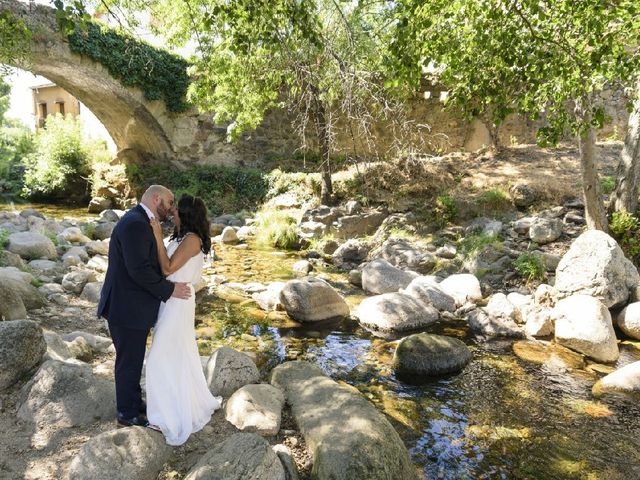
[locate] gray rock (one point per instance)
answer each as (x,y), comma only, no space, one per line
(312,229)
(355,277)
(227,370)
(11,305)
(426,355)
(595,265)
(256,409)
(523,195)
(402,254)
(358,225)
(311,299)
(20,284)
(22,346)
(31,245)
(289,465)
(396,312)
(583,324)
(463,287)
(269,299)
(123,454)
(629,320)
(522,225)
(73,235)
(103,230)
(57,348)
(538,320)
(545,230)
(80,349)
(302,267)
(486,226)
(99,263)
(49,289)
(98,204)
(353,207)
(32,212)
(347,436)
(111,216)
(625,380)
(229,235)
(78,253)
(379,276)
(96,342)
(484,325)
(499,307)
(243,456)
(427,290)
(97,247)
(91,292)
(351,254)
(447,251)
(45,267)
(75,281)
(229,220)
(67,395)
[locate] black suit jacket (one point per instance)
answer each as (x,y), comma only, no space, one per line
(134,286)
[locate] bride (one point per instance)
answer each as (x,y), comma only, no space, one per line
(179,402)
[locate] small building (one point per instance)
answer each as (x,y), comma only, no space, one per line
(49,99)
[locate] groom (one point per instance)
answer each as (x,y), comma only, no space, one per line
(131,295)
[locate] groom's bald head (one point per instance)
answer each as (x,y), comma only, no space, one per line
(159,200)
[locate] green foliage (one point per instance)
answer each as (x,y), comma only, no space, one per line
(159,74)
(625,228)
(15,41)
(4,238)
(494,201)
(474,242)
(89,230)
(60,167)
(277,229)
(303,186)
(223,189)
(528,56)
(445,211)
(530,266)
(608,184)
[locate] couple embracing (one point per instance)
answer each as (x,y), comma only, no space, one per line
(149,285)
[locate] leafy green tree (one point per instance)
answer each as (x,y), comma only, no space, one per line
(60,167)
(319,60)
(545,58)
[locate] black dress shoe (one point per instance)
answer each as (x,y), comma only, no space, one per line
(138,421)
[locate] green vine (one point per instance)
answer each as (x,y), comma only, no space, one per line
(160,74)
(15,40)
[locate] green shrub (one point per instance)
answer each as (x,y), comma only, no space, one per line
(16,143)
(625,228)
(446,210)
(277,229)
(89,230)
(303,186)
(494,201)
(223,189)
(4,238)
(530,266)
(475,241)
(607,184)
(60,167)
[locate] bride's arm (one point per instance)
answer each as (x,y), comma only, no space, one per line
(188,248)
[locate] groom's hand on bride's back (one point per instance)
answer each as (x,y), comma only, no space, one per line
(181,290)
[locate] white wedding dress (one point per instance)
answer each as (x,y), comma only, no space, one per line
(178,399)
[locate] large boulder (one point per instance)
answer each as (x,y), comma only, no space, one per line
(625,380)
(401,253)
(595,265)
(346,435)
(463,287)
(11,305)
(20,283)
(227,370)
(229,235)
(351,254)
(428,291)
(311,299)
(629,320)
(22,346)
(31,245)
(269,299)
(243,456)
(67,395)
(396,312)
(124,454)
(379,276)
(583,323)
(351,226)
(256,408)
(426,355)
(545,230)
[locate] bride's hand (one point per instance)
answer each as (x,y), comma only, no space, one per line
(157,228)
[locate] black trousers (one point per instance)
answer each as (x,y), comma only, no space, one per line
(130,345)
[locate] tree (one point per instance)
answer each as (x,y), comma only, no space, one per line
(319,60)
(15,40)
(625,194)
(548,59)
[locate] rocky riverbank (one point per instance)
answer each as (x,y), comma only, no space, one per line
(56,359)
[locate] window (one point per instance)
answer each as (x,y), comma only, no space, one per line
(60,104)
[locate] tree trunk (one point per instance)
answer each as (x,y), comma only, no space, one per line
(593,205)
(625,195)
(326,191)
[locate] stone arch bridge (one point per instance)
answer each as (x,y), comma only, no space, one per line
(142,129)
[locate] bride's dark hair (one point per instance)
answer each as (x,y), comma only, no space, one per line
(193,218)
